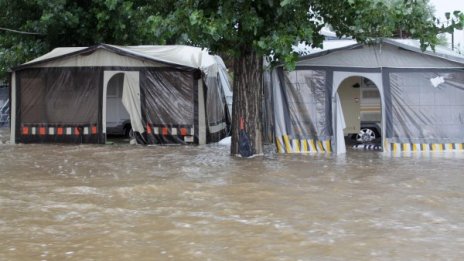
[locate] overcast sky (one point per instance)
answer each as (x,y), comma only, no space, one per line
(443,6)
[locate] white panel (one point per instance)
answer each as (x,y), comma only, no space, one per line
(131,99)
(201,114)
(13,109)
(106,78)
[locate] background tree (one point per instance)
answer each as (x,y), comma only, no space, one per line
(391,18)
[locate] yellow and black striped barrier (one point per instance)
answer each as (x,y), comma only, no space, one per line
(413,147)
(286,144)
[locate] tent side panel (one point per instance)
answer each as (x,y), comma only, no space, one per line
(168,106)
(426,110)
(101,133)
(216,109)
(14,127)
(268,111)
(302,111)
(201,105)
(58,105)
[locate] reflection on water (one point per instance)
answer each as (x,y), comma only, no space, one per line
(123,202)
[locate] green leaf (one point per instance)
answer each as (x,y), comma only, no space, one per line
(111,4)
(285,2)
(195,18)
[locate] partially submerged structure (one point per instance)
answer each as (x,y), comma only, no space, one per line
(169,94)
(421,97)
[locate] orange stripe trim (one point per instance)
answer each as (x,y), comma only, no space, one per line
(164,131)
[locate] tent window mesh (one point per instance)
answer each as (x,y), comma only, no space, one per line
(59,96)
(427,112)
(307,98)
(169,97)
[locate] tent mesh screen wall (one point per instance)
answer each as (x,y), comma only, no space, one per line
(57,105)
(426,110)
(169,106)
(63,105)
(302,112)
(171,94)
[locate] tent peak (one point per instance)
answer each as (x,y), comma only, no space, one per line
(179,55)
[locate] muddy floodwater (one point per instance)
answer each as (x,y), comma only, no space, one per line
(122,202)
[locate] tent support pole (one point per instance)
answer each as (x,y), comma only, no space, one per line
(13,109)
(201,114)
(335,118)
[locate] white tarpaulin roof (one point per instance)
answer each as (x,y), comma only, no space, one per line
(152,55)
(394,53)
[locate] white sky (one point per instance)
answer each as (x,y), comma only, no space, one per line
(443,6)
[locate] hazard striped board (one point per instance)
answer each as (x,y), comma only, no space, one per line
(285,144)
(162,133)
(413,147)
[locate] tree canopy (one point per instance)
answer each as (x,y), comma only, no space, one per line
(29,28)
(267,26)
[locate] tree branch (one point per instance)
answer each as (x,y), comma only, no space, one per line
(18,32)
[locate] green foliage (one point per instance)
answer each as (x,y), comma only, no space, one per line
(231,27)
(70,23)
(367,20)
(240,27)
(271,27)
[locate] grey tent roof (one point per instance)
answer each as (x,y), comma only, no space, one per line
(393,53)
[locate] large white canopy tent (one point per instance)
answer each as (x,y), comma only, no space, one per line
(172,94)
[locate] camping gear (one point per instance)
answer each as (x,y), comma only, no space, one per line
(245,149)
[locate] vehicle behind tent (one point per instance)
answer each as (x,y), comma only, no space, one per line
(4,105)
(421,97)
(167,94)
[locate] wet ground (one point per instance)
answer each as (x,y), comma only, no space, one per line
(121,202)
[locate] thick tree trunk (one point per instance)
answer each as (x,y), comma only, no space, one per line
(247,101)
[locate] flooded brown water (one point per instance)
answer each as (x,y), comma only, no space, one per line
(121,202)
